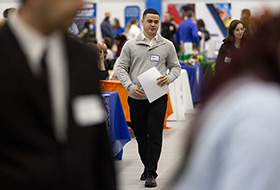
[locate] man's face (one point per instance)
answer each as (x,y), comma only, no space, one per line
(58,14)
(107,14)
(150,24)
(166,17)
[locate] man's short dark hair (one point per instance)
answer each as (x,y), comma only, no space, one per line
(189,13)
(150,11)
(185,8)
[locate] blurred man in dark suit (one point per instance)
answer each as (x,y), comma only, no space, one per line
(52,125)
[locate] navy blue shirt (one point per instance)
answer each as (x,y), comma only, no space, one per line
(107,30)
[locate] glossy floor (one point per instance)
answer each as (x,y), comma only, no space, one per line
(130,167)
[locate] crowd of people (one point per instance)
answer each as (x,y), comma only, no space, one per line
(53,128)
(114,36)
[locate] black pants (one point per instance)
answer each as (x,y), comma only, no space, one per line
(147,120)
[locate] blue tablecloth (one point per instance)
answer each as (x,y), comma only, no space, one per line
(116,123)
(196,79)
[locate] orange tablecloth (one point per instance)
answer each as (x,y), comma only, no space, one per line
(115,85)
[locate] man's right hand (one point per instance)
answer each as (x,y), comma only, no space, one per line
(137,92)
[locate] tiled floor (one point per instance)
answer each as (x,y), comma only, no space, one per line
(130,167)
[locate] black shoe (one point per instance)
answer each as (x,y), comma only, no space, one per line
(142,177)
(150,182)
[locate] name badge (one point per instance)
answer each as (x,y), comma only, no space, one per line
(88,110)
(227,60)
(154,58)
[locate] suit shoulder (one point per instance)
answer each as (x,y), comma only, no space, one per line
(3,31)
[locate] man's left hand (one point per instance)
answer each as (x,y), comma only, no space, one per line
(163,80)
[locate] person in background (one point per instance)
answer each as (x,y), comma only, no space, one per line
(107,29)
(88,33)
(109,59)
(73,29)
(109,64)
(183,10)
(168,29)
(119,41)
(117,27)
(53,132)
(109,44)
(132,29)
(203,34)
(231,44)
(188,31)
(248,23)
(234,140)
(149,49)
(101,59)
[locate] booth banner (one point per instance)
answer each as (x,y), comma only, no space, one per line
(177,10)
(224,12)
(88,11)
(132,12)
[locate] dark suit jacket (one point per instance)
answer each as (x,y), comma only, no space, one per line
(30,156)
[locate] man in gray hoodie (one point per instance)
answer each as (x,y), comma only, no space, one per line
(149,49)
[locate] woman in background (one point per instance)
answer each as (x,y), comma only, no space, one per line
(88,32)
(119,41)
(117,27)
(203,34)
(234,142)
(230,45)
(132,29)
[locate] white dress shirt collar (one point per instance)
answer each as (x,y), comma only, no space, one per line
(148,41)
(32,42)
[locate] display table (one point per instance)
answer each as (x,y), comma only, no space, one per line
(196,79)
(208,67)
(115,85)
(116,123)
(180,95)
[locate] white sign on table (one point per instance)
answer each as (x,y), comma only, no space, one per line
(148,80)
